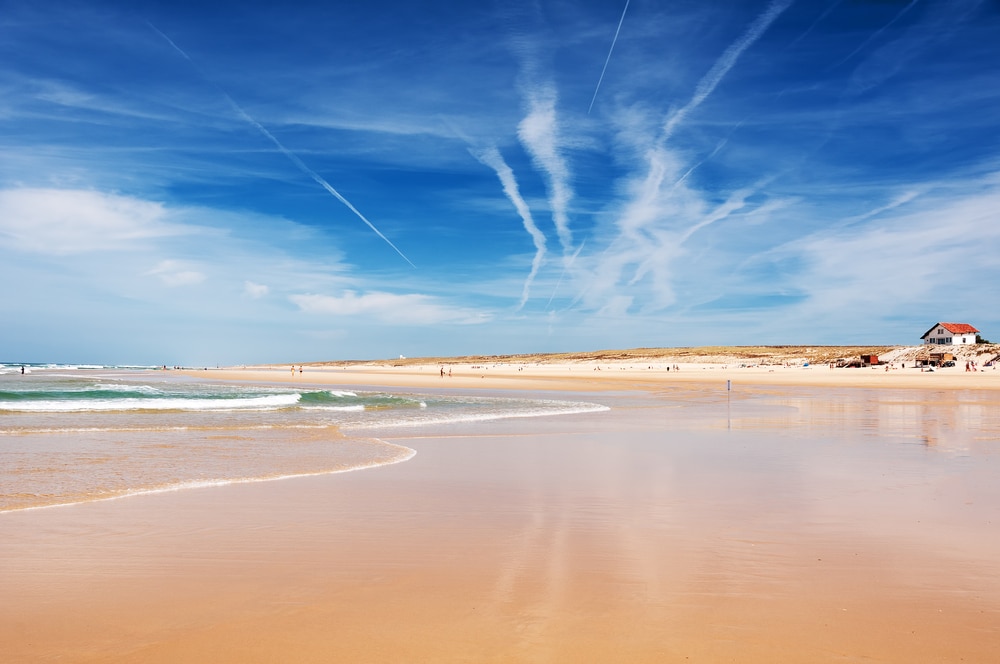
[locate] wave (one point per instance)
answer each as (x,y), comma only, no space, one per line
(110,396)
(269,402)
(122,387)
(403,454)
(436,418)
(342,400)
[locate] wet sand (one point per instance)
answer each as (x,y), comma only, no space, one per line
(812,524)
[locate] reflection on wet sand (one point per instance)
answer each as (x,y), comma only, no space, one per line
(820,527)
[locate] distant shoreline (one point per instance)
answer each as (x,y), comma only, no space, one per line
(770,355)
(638,369)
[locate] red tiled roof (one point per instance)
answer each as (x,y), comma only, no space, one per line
(959,328)
(954,328)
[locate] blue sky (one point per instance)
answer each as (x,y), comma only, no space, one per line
(221,183)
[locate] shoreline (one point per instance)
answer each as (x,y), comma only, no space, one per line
(592,376)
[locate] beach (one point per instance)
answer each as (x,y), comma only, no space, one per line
(602,375)
(710,513)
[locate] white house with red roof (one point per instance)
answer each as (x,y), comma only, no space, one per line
(952,334)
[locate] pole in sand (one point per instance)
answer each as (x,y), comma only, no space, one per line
(729,391)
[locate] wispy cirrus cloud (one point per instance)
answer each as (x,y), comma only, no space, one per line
(927,259)
(662,210)
(390,308)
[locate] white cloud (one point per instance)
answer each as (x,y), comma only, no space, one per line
(62,222)
(940,257)
(256,291)
(177,273)
(409,309)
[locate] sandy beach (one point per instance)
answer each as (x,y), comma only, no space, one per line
(638,374)
(807,514)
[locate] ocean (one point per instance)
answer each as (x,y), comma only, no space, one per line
(80,433)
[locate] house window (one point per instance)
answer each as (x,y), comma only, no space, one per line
(940,331)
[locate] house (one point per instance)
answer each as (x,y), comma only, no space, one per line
(954,334)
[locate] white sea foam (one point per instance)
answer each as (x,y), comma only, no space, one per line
(342,409)
(121,387)
(79,406)
(434,418)
(157,429)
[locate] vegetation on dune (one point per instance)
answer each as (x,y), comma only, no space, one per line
(705,354)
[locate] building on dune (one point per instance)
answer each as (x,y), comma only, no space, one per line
(952,334)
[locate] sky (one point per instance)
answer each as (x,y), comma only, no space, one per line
(219,183)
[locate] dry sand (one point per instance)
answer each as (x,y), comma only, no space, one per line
(796,519)
(623,370)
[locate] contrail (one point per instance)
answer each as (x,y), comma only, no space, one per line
(610,50)
(714,152)
(294,158)
(566,265)
(491,157)
(725,62)
(874,35)
(814,23)
(538,132)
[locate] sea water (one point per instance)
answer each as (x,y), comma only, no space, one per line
(71,434)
